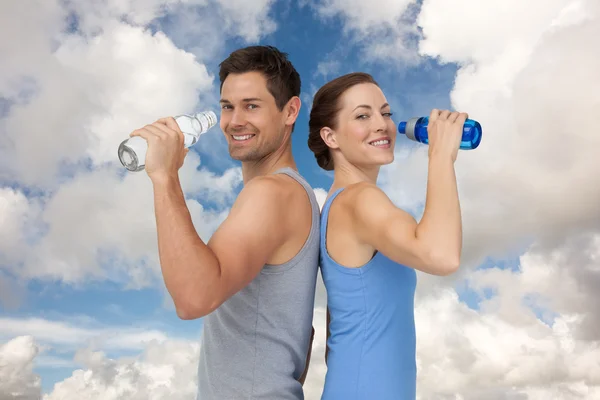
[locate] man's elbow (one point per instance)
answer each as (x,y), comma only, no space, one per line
(188,311)
(188,315)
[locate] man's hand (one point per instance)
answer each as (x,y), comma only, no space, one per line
(166,151)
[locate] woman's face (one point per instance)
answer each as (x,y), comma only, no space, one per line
(365,133)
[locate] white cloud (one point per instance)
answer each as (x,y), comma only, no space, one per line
(248,19)
(109,85)
(530,178)
(112,73)
(165,370)
(528,73)
(327,68)
(365,17)
(495,30)
(505,348)
(321,195)
(66,336)
(523,343)
(88,89)
(17,223)
(17,379)
(101,227)
(382,28)
(92,17)
(528,182)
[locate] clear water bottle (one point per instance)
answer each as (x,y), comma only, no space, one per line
(416,129)
(132,151)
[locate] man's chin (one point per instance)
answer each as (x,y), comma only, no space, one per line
(241,155)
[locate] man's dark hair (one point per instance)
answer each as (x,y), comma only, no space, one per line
(283,81)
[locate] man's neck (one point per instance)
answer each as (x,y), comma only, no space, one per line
(268,165)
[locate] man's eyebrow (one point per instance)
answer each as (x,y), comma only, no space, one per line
(246,100)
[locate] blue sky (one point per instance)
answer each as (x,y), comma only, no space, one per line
(77,253)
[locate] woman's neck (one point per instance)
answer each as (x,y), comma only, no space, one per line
(346,174)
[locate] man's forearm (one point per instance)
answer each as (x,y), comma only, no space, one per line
(190,268)
(441,225)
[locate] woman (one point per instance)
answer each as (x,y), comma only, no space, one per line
(370,249)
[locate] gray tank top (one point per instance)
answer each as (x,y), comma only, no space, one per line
(254,346)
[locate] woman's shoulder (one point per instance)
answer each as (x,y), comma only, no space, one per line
(360,197)
(363,192)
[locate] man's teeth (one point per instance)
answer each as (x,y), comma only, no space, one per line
(245,137)
(380,142)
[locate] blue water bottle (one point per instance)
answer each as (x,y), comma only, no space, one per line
(416,129)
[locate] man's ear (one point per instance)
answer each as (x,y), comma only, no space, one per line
(329,137)
(292,109)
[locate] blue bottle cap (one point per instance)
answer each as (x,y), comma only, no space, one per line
(402,127)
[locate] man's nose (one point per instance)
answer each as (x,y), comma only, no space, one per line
(237,118)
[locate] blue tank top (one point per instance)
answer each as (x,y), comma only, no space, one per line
(373,343)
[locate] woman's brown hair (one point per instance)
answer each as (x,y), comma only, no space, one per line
(324,113)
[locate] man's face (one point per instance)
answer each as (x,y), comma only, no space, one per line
(250,119)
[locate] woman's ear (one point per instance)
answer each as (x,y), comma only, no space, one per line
(329,137)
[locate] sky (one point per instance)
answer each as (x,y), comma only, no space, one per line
(84,313)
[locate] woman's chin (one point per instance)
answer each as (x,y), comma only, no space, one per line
(384,160)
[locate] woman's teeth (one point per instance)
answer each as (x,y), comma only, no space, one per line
(380,142)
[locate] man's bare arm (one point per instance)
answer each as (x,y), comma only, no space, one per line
(199,276)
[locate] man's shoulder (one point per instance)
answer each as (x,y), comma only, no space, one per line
(269,186)
(275,192)
(280,186)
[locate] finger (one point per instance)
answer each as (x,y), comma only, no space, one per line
(170,123)
(157,131)
(453,116)
(463,117)
(434,114)
(444,115)
(166,130)
(144,133)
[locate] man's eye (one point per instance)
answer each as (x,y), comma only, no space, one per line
(226,107)
(252,106)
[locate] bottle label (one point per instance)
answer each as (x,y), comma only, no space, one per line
(410,128)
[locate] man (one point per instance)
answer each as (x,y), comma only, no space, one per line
(254,281)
